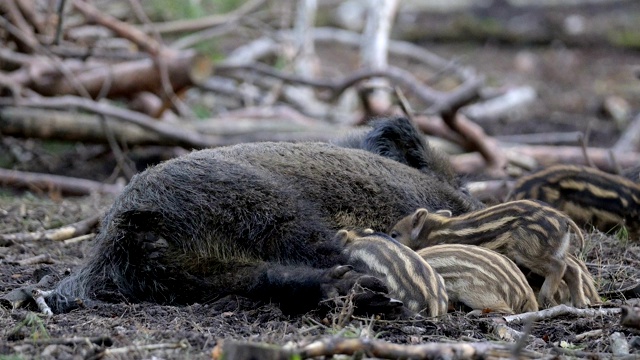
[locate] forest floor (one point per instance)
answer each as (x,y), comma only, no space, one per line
(572,85)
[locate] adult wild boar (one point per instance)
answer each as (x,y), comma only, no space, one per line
(256,220)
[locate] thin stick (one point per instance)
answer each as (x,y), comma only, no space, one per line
(404,104)
(583,146)
(205,22)
(121,158)
(98,340)
(60,11)
(386,350)
(65,184)
(38,259)
(557,311)
(183,344)
(38,296)
(614,163)
(78,239)
(62,233)
(169,131)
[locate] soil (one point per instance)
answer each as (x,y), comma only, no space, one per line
(572,85)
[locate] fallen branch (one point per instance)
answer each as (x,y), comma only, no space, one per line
(38,259)
(497,107)
(64,184)
(181,136)
(178,26)
(490,189)
(383,349)
(593,333)
(557,311)
(71,126)
(129,350)
(439,102)
(478,140)
(548,155)
(505,333)
(371,347)
(20,296)
(39,296)
(277,123)
(98,340)
(139,38)
(78,239)
(27,40)
(185,69)
(557,138)
(62,233)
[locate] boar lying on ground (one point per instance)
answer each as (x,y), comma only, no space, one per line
(409,278)
(528,232)
(589,196)
(480,278)
(398,139)
(256,220)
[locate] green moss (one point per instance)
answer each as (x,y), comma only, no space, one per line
(35,326)
(191,9)
(625,38)
(11,357)
(479,27)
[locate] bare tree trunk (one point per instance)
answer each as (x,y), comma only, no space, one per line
(306,62)
(376,93)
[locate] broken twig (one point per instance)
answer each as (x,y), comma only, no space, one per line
(557,311)
(62,233)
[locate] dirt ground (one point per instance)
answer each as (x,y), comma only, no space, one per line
(572,85)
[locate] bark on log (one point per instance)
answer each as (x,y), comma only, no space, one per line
(548,155)
(574,23)
(371,347)
(123,79)
(70,126)
(48,182)
(270,124)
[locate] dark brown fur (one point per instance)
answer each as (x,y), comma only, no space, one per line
(528,232)
(398,139)
(254,219)
(632,173)
(408,277)
(481,278)
(589,196)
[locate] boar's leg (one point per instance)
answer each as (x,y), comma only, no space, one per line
(300,288)
(553,272)
(573,278)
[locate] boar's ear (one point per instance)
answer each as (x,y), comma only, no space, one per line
(446,213)
(342,236)
(417,222)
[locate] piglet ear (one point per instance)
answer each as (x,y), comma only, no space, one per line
(446,213)
(342,236)
(417,222)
